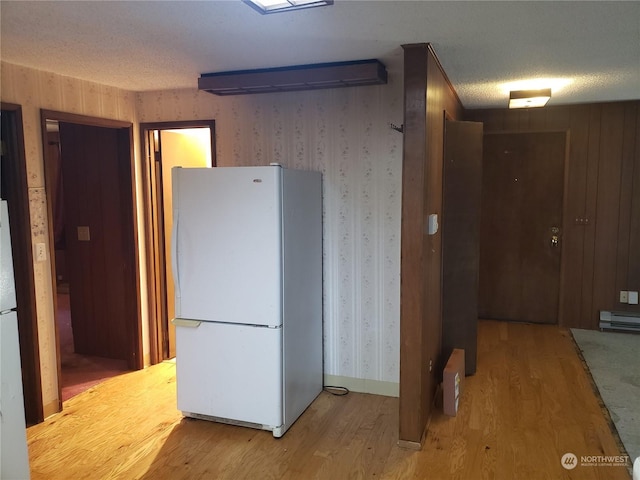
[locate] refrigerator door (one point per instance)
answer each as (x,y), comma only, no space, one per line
(7,286)
(231,372)
(226,245)
(14,459)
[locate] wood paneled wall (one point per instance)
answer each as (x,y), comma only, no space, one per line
(601,251)
(428,95)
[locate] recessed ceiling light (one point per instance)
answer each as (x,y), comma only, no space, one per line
(529,98)
(274,6)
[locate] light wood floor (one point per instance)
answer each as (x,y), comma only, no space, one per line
(529,403)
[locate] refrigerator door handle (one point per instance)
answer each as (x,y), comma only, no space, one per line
(184,322)
(174,253)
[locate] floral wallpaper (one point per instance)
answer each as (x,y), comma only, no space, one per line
(345,134)
(35,90)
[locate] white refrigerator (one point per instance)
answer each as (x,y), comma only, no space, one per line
(14,459)
(247,266)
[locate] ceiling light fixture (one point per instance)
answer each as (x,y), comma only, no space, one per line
(556,84)
(529,98)
(274,6)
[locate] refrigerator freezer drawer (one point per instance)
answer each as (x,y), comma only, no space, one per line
(232,372)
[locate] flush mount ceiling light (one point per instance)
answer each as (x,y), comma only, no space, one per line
(529,98)
(274,6)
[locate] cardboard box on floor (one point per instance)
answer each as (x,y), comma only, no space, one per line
(452,382)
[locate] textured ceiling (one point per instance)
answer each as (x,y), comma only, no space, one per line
(146,45)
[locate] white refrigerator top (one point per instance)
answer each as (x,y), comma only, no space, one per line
(226,244)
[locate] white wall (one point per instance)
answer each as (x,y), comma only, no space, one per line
(345,134)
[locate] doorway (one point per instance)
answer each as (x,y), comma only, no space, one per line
(15,190)
(521,227)
(90,197)
(188,144)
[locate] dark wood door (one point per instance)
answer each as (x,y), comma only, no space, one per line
(521,226)
(98,212)
(462,187)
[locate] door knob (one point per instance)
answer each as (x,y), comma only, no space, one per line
(555,236)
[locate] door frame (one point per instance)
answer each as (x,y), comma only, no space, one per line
(134,329)
(565,214)
(155,259)
(24,276)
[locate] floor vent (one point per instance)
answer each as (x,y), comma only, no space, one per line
(627,321)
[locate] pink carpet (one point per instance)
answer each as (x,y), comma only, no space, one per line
(80,372)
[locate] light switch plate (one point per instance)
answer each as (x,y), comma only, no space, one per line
(433,224)
(633,298)
(624,296)
(84,234)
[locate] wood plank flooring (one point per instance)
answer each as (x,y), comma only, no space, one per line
(529,403)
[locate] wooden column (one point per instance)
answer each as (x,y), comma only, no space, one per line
(428,94)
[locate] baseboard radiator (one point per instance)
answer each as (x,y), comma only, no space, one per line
(627,321)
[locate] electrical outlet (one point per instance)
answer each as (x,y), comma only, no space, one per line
(624,296)
(633,298)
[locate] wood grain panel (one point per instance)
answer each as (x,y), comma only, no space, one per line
(522,199)
(100,268)
(428,93)
(603,154)
(432,332)
(593,160)
(607,208)
(633,280)
(462,192)
(623,265)
(130,252)
(413,413)
(574,221)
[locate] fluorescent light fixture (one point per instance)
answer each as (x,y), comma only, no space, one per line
(274,6)
(529,98)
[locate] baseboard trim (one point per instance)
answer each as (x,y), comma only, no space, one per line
(409,445)
(362,385)
(51,408)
